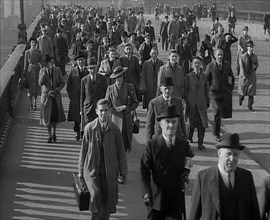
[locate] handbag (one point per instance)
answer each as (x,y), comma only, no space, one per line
(136,123)
(22,83)
(81,192)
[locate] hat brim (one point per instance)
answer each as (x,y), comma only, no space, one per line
(115,75)
(159,118)
(76,58)
(239,147)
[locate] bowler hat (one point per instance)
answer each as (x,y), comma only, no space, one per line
(250,44)
(245,28)
(81,54)
(230,141)
(149,22)
(124,34)
(58,30)
(168,112)
(166,81)
(118,71)
(227,34)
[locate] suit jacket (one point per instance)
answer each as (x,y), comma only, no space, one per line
(90,94)
(154,109)
(149,80)
(105,69)
(133,74)
(114,36)
(74,92)
(206,203)
(264,199)
(161,169)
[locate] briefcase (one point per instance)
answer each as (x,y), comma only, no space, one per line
(81,192)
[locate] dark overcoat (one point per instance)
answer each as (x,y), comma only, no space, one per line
(264,199)
(114,158)
(155,106)
(90,94)
(125,96)
(106,70)
(197,97)
(50,80)
(149,80)
(247,75)
(221,84)
(74,92)
(161,169)
(206,203)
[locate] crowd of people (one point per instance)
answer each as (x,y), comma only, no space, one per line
(116,66)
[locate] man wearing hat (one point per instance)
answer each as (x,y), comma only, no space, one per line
(114,34)
(93,88)
(44,44)
(149,30)
(247,76)
(74,91)
(163,171)
(225,191)
(163,33)
(155,109)
(243,39)
(145,49)
(60,51)
(173,31)
(132,22)
(125,41)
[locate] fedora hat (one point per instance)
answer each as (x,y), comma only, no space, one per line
(245,28)
(230,141)
(168,112)
(250,44)
(118,71)
(166,81)
(80,55)
(124,34)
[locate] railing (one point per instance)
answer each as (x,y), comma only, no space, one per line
(252,16)
(9,93)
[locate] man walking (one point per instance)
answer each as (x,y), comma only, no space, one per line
(225,191)
(102,156)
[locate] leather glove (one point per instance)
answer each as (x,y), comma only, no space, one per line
(148,200)
(184,177)
(122,179)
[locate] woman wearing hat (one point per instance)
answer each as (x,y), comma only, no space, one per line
(51,107)
(32,60)
(123,99)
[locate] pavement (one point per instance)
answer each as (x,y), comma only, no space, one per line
(36,177)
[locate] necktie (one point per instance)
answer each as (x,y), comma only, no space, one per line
(170,144)
(154,66)
(230,181)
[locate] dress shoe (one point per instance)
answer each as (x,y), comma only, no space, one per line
(54,138)
(49,140)
(251,109)
(201,147)
(78,136)
(240,102)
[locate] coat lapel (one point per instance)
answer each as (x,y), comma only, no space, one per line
(214,188)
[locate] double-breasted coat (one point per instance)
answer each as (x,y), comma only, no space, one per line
(106,70)
(167,70)
(197,97)
(74,92)
(247,75)
(154,110)
(50,79)
(221,84)
(206,202)
(114,158)
(161,169)
(32,60)
(119,97)
(90,93)
(149,80)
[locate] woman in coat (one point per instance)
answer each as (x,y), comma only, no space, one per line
(123,100)
(197,98)
(51,108)
(32,60)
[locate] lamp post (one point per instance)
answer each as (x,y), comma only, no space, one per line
(22,35)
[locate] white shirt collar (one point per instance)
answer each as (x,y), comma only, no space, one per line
(167,140)
(225,175)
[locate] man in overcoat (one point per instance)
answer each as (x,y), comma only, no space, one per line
(221,83)
(264,198)
(163,171)
(247,76)
(225,191)
(102,159)
(74,92)
(93,88)
(149,75)
(174,70)
(163,33)
(173,31)
(156,106)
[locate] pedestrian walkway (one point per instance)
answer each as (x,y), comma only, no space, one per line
(36,177)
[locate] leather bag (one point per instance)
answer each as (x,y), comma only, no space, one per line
(81,192)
